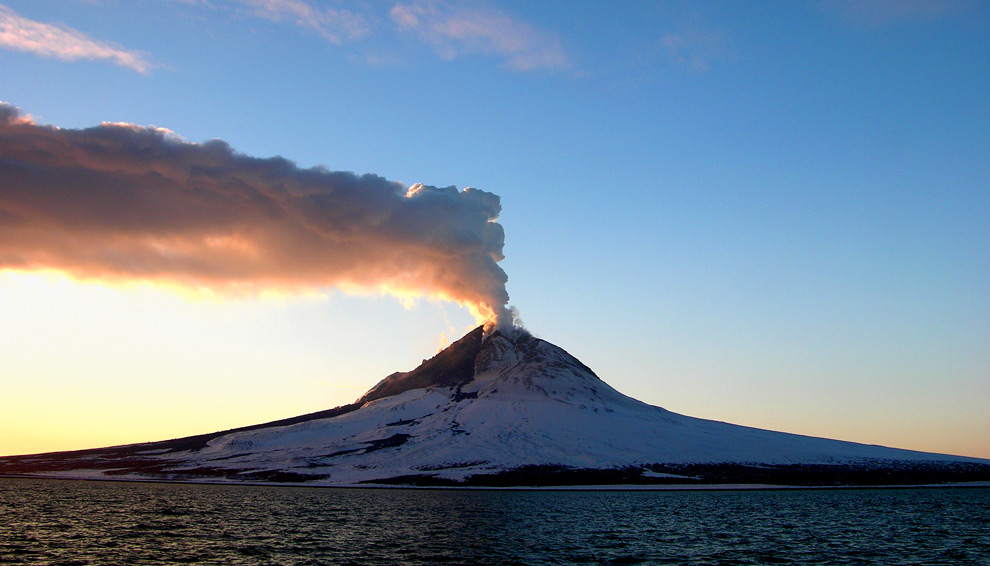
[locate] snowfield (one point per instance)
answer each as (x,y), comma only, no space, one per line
(485,406)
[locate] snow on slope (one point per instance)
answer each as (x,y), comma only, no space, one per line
(495,403)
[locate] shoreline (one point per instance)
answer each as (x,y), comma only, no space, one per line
(589,488)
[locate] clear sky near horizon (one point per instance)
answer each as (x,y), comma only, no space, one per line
(774,214)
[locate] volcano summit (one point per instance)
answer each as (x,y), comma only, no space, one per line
(503,408)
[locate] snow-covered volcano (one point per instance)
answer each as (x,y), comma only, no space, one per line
(504,409)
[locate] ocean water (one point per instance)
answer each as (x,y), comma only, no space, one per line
(56,522)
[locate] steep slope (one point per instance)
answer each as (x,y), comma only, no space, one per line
(506,409)
(451,367)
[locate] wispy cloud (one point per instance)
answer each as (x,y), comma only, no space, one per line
(333,25)
(879,12)
(453,28)
(456,29)
(62,42)
(697,50)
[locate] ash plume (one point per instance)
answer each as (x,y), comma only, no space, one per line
(125,202)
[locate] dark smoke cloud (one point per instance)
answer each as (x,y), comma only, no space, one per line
(127,202)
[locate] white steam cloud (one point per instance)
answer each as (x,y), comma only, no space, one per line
(119,201)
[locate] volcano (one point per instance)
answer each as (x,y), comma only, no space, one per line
(503,409)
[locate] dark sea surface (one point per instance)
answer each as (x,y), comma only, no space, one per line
(76,522)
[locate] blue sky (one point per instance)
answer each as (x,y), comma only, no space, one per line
(772,214)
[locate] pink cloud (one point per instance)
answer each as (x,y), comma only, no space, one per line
(330,23)
(62,42)
(457,29)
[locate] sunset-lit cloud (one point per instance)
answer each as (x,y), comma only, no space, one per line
(451,28)
(62,42)
(333,25)
(457,29)
(119,202)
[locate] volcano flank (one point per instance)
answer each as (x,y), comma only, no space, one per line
(503,408)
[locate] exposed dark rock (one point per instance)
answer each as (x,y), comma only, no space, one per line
(390,442)
(451,367)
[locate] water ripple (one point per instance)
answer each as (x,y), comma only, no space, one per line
(48,522)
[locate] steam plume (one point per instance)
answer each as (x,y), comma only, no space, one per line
(119,201)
